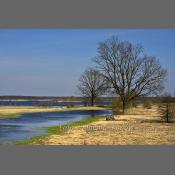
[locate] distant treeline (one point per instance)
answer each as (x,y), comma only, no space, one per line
(74,98)
(48,98)
(154,99)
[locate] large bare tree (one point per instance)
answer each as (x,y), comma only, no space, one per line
(92,84)
(130,72)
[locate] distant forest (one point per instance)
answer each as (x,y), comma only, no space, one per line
(74,98)
(49,98)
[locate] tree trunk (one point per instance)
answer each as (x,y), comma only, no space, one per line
(92,101)
(167,120)
(124,106)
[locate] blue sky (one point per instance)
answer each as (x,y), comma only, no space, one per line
(50,61)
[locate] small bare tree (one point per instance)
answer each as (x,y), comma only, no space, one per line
(92,84)
(130,72)
(167,108)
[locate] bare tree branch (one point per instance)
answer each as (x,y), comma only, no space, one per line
(130,72)
(92,84)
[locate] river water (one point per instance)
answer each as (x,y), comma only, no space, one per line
(32,124)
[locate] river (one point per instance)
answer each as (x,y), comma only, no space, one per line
(32,124)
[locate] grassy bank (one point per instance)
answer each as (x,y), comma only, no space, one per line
(57,130)
(11,111)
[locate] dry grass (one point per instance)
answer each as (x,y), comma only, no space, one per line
(140,127)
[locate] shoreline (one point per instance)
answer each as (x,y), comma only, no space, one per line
(12,112)
(58,130)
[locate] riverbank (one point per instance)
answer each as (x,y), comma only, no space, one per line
(142,128)
(15,111)
(58,130)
